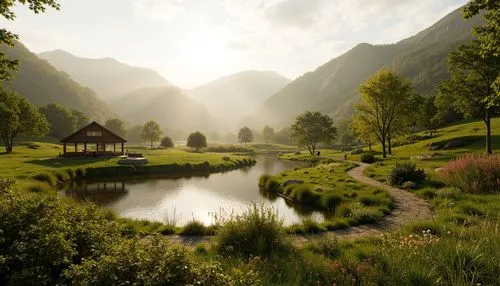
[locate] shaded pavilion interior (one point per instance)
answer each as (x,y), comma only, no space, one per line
(93,140)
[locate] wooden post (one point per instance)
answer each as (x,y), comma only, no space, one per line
(114,147)
(122,149)
(76,147)
(64,148)
(85,147)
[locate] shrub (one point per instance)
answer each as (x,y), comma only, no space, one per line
(473,174)
(303,194)
(193,228)
(327,246)
(256,232)
(166,142)
(40,188)
(367,158)
(47,178)
(331,201)
(6,185)
(404,172)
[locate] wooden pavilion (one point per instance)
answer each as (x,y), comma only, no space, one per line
(96,141)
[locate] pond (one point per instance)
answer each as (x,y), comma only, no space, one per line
(182,199)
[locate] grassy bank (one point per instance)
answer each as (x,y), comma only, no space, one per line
(327,188)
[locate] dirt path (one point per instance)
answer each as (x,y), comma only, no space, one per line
(408,208)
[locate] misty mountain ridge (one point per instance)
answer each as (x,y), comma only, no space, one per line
(237,95)
(42,84)
(108,77)
(333,87)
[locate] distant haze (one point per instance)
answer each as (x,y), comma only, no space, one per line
(193,42)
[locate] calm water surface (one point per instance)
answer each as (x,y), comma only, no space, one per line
(183,198)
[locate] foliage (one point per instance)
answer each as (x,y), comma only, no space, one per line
(18,117)
(42,236)
(166,142)
(256,232)
(470,87)
(151,132)
(474,174)
(62,122)
(116,126)
(346,135)
(195,228)
(245,135)
(80,118)
(8,38)
(367,158)
(268,133)
(405,172)
(197,141)
(312,128)
(489,34)
(426,112)
(383,108)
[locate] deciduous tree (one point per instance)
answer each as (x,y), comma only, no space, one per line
(470,88)
(116,126)
(61,119)
(312,128)
(81,119)
(151,132)
(268,134)
(426,112)
(8,38)
(166,142)
(245,135)
(18,116)
(197,140)
(384,106)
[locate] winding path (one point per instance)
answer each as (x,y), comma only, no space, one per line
(408,208)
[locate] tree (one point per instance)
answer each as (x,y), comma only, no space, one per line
(426,112)
(134,134)
(364,129)
(488,35)
(245,135)
(151,132)
(9,38)
(18,116)
(470,88)
(384,106)
(62,122)
(268,134)
(167,142)
(345,134)
(116,126)
(197,141)
(81,120)
(312,128)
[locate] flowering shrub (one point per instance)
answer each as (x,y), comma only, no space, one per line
(473,174)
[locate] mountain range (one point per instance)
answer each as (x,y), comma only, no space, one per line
(234,96)
(108,77)
(332,87)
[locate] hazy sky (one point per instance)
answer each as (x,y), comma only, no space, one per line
(191,42)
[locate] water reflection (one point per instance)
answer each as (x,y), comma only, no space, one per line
(182,198)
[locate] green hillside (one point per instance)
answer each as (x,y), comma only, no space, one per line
(108,77)
(42,84)
(332,88)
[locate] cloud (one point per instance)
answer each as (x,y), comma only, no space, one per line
(159,10)
(295,13)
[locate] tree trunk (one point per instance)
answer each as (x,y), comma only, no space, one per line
(488,133)
(151,144)
(389,144)
(370,146)
(384,154)
(8,149)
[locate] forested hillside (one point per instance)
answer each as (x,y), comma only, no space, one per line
(332,88)
(42,84)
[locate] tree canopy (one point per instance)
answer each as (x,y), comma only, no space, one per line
(383,107)
(268,133)
(196,140)
(116,126)
(312,128)
(245,135)
(18,116)
(9,38)
(61,119)
(166,142)
(151,132)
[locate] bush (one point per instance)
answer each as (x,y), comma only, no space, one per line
(473,174)
(304,195)
(47,178)
(367,158)
(166,142)
(256,232)
(331,201)
(79,173)
(404,172)
(40,188)
(193,228)
(6,185)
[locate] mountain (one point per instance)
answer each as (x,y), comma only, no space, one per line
(168,106)
(42,84)
(108,77)
(332,87)
(237,95)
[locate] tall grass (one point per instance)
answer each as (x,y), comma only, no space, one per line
(474,173)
